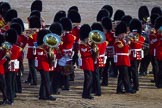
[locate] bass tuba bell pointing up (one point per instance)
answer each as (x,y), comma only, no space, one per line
(97,36)
(52,40)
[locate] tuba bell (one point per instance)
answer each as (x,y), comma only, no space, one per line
(6,45)
(52,40)
(97,36)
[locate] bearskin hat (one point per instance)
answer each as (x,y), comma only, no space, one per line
(56,28)
(36,5)
(60,14)
(74,16)
(36,13)
(118,15)
(34,22)
(107,23)
(66,24)
(16,27)
(84,31)
(19,21)
(153,18)
(73,8)
(102,13)
(97,26)
(4,7)
(158,22)
(135,24)
(11,36)
(143,13)
(108,8)
(126,19)
(41,35)
(2,39)
(156,10)
(120,28)
(11,13)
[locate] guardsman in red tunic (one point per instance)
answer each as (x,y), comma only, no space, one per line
(21,42)
(43,66)
(107,25)
(13,65)
(4,57)
(152,45)
(56,28)
(143,15)
(76,20)
(66,49)
(34,25)
(87,60)
(136,51)
(100,60)
(158,27)
(122,59)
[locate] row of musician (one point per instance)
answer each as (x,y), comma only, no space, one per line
(96,46)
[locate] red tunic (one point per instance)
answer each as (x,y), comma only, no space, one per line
(75,32)
(2,61)
(159,48)
(153,43)
(31,41)
(43,61)
(101,58)
(22,41)
(136,49)
(14,63)
(110,48)
(68,41)
(87,59)
(121,57)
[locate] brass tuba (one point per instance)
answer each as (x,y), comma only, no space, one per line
(97,36)
(52,40)
(6,45)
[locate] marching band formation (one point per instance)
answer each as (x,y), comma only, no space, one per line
(121,47)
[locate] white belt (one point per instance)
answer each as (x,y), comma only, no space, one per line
(13,60)
(66,50)
(136,50)
(125,54)
(103,55)
(31,47)
(119,54)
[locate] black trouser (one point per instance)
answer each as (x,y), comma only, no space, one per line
(44,91)
(55,82)
(110,66)
(65,82)
(10,84)
(155,68)
(134,74)
(159,74)
(32,77)
(18,86)
(123,79)
(144,64)
(3,87)
(96,82)
(75,60)
(88,80)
